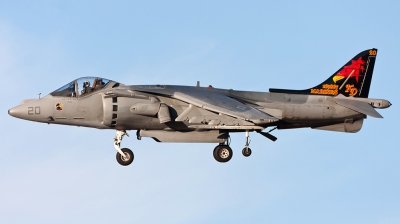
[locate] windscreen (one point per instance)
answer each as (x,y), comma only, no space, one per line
(81,87)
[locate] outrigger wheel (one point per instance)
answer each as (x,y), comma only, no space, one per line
(128,159)
(222,153)
(246,151)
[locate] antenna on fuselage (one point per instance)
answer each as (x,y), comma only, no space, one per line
(198,84)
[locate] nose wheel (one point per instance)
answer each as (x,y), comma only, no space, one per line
(127,158)
(124,156)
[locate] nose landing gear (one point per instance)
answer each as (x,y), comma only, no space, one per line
(124,156)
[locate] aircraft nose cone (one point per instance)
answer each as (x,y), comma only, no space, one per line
(11,112)
(27,110)
(16,112)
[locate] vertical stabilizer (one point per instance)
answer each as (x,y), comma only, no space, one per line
(352,79)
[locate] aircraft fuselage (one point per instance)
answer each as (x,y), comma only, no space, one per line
(96,110)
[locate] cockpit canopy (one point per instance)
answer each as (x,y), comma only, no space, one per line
(83,86)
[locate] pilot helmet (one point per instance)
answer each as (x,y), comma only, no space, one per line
(86,84)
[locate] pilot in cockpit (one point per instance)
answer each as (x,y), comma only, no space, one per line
(86,88)
(98,84)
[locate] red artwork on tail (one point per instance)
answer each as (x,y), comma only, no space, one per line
(356,66)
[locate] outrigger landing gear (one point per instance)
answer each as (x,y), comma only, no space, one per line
(246,150)
(124,156)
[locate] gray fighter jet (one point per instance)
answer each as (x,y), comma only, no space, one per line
(169,113)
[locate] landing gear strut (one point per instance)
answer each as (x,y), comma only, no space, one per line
(246,150)
(124,156)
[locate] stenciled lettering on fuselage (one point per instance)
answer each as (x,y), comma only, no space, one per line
(327,89)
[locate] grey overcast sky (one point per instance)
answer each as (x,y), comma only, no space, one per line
(63,174)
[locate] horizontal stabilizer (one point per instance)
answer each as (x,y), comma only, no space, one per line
(359,106)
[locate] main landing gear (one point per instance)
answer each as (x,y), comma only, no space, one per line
(222,153)
(124,156)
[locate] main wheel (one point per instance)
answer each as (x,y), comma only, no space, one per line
(246,151)
(222,153)
(128,157)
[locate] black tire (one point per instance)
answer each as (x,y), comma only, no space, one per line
(129,157)
(246,152)
(222,153)
(216,152)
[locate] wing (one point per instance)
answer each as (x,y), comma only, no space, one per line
(213,101)
(220,103)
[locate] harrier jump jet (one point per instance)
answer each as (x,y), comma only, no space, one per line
(169,113)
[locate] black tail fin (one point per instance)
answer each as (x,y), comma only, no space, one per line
(352,79)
